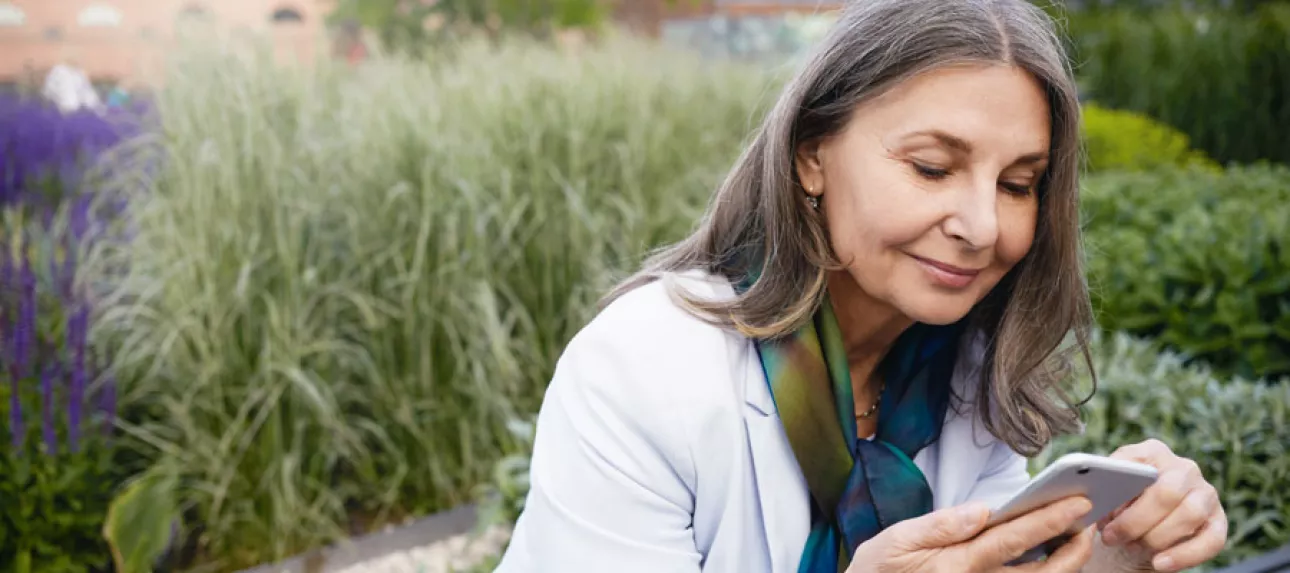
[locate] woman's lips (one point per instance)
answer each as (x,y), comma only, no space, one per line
(946,274)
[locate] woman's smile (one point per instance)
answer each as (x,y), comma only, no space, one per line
(947,275)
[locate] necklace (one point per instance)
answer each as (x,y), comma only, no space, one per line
(874,408)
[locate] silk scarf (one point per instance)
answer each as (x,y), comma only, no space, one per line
(858,486)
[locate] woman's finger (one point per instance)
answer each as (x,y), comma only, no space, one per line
(939,529)
(1201,548)
(1152,452)
(1070,557)
(1007,541)
(1194,511)
(1143,515)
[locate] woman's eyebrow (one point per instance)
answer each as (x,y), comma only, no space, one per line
(950,141)
(961,145)
(1032,158)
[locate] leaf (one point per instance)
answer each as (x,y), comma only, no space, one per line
(21,473)
(139,519)
(23,563)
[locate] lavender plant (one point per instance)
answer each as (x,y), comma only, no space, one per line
(59,464)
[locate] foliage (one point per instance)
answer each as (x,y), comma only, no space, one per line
(1196,259)
(502,498)
(346,281)
(140,521)
(1123,140)
(54,508)
(1238,431)
(412,27)
(1152,5)
(1153,65)
(59,462)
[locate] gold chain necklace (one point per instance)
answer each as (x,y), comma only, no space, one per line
(874,408)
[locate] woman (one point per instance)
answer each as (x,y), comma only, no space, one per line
(843,367)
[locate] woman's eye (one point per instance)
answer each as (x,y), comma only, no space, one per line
(1016,188)
(930,172)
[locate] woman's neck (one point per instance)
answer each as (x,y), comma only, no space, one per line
(869,327)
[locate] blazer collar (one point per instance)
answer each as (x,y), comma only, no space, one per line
(781,487)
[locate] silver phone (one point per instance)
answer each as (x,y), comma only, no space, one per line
(1107,483)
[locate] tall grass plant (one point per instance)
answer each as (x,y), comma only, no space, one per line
(344,281)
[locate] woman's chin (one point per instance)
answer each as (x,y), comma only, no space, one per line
(937,310)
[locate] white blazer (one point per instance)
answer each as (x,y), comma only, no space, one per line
(658,449)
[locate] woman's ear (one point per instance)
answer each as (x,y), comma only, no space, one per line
(810,167)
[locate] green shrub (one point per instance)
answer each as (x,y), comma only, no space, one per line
(1199,261)
(1218,76)
(1238,431)
(59,459)
(1124,140)
(1147,6)
(344,282)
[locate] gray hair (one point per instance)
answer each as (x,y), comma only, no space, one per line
(759,224)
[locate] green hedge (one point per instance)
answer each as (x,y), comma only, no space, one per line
(1218,76)
(1238,431)
(1196,259)
(1123,140)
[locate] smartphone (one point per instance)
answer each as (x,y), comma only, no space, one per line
(1106,482)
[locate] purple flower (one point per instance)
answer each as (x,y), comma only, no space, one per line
(44,152)
(46,161)
(6,265)
(79,223)
(77,325)
(47,397)
(6,293)
(24,329)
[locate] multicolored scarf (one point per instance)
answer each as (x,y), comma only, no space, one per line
(858,486)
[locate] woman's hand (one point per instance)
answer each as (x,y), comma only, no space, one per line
(1177,523)
(952,540)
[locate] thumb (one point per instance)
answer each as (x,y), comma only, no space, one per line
(943,528)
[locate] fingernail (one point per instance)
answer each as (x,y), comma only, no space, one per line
(1109,537)
(1163,563)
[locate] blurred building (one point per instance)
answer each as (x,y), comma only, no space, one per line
(653,16)
(121,40)
(124,40)
(746,29)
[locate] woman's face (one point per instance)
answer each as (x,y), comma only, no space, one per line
(929,193)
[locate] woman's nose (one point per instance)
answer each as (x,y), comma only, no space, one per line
(974,218)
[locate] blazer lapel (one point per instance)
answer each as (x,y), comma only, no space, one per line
(781,487)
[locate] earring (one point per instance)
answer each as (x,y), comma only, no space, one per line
(815,202)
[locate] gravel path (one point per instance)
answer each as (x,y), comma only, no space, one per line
(453,555)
